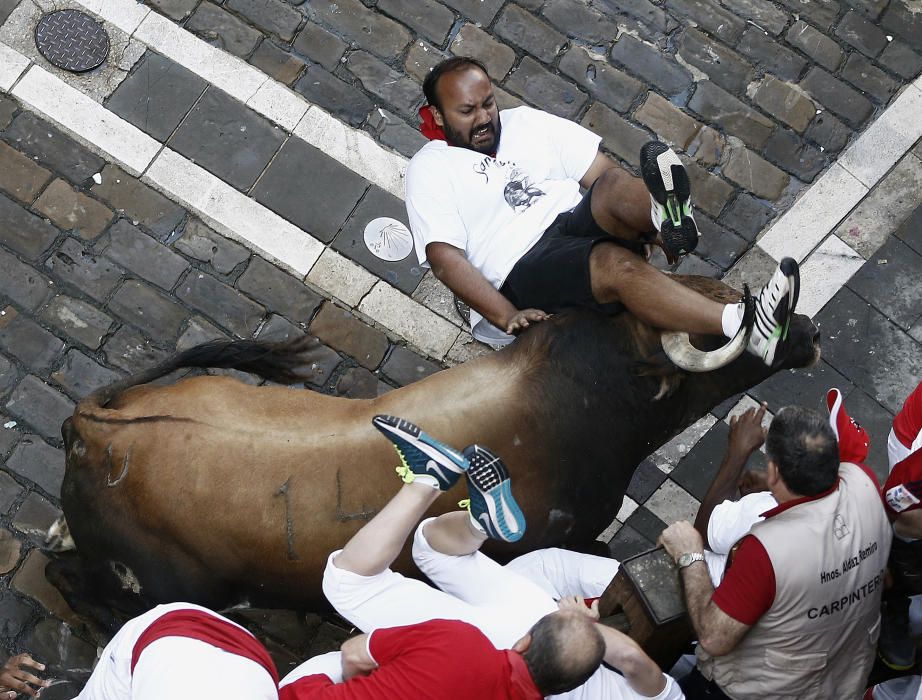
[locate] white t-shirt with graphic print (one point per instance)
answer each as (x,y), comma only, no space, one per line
(495,209)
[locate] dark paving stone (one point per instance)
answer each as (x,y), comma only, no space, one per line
(747,215)
(324,362)
(227,138)
(319,45)
(724,67)
(394,132)
(357,383)
(41,406)
(147,309)
(788,150)
(717,105)
(627,542)
(7,375)
(521,28)
(846,102)
(645,523)
(310,189)
(822,49)
(822,13)
(279,291)
(127,349)
(37,461)
(21,283)
(889,281)
(603,81)
(574,18)
(539,86)
(80,376)
(384,82)
(52,148)
(482,11)
(270,16)
(93,275)
(275,62)
(426,17)
(8,106)
(224,305)
(646,479)
(709,15)
(901,59)
(650,65)
(222,29)
(696,471)
(910,231)
(694,265)
(801,387)
(722,410)
(15,614)
(859,340)
(20,176)
(278,329)
(342,331)
(84,323)
(340,99)
(9,438)
(58,647)
(198,331)
(404,366)
(134,250)
(10,492)
(138,202)
(35,516)
(156,96)
(200,242)
(25,340)
(618,135)
(10,551)
(902,21)
(24,232)
(404,274)
(856,30)
(175,9)
(870,79)
(71,210)
(828,132)
(766,53)
(31,580)
(718,245)
(356,23)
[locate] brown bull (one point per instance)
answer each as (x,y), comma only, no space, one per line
(215,491)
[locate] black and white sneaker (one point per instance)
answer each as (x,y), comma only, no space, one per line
(774,307)
(670,196)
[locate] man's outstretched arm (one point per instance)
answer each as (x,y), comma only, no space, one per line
(455,271)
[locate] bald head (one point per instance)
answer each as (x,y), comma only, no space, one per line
(565,649)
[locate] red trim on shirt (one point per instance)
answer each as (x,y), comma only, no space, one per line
(195,624)
(908,422)
(781,507)
(748,587)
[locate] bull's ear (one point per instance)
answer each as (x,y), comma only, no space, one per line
(684,355)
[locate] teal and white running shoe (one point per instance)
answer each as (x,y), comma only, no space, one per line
(493,508)
(423,458)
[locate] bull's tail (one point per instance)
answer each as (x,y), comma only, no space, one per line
(277,362)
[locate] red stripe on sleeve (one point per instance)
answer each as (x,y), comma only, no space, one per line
(748,588)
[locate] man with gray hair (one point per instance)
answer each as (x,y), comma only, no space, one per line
(798,610)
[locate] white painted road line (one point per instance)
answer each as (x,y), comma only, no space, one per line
(12,65)
(814,215)
(232,213)
(422,327)
(824,273)
(87,120)
(886,140)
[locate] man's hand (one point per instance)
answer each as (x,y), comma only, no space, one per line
(14,679)
(576,603)
(681,538)
(746,432)
(521,320)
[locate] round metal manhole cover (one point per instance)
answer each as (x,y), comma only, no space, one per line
(72,40)
(388,239)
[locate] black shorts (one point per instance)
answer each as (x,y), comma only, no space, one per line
(554,274)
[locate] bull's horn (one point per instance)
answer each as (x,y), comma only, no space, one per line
(686,356)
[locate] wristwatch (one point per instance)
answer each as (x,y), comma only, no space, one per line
(688,559)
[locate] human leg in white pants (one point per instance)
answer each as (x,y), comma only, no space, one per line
(560,572)
(507,603)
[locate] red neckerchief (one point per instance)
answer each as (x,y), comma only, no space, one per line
(520,678)
(781,507)
(429,128)
(195,624)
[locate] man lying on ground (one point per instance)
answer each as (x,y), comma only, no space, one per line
(501,603)
(495,209)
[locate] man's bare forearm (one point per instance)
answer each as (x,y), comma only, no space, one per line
(723,487)
(462,278)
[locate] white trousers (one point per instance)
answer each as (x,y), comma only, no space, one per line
(178,668)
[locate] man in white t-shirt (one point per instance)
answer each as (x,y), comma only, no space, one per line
(495,208)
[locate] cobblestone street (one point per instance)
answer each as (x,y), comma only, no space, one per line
(213,179)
